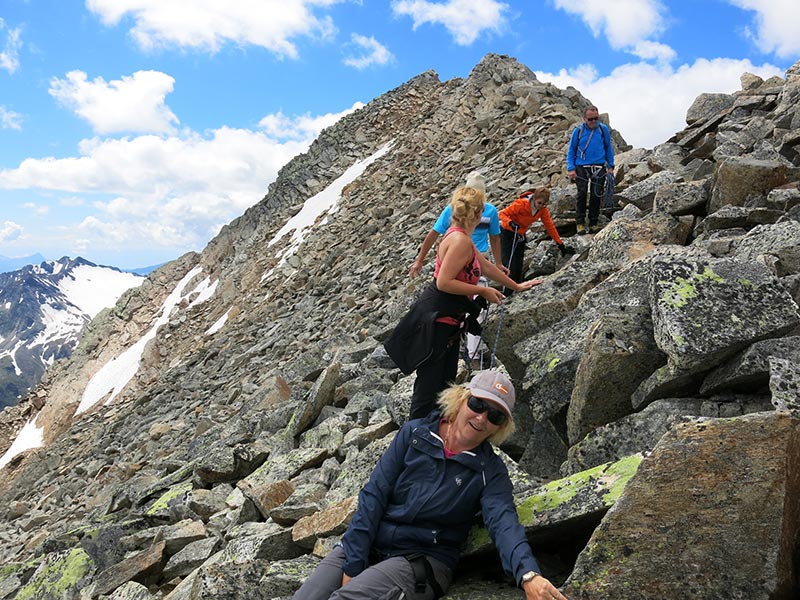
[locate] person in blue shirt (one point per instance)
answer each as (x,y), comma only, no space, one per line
(485,236)
(590,157)
(420,502)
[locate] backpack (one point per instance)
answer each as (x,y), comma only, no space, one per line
(603,134)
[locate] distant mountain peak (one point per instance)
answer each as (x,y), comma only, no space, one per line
(43,310)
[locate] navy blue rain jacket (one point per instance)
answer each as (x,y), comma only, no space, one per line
(416,500)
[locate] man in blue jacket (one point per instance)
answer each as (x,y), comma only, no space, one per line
(590,157)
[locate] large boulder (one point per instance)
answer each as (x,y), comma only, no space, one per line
(742,180)
(712,513)
(619,354)
(750,369)
(704,311)
(706,106)
(624,240)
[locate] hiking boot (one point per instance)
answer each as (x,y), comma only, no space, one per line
(594,228)
(581,229)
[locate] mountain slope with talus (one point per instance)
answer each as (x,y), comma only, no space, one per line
(208,436)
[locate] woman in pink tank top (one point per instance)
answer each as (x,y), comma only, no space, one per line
(458,267)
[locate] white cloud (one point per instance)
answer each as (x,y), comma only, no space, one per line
(376,53)
(653,50)
(281,127)
(10,231)
(209,24)
(165,192)
(131,104)
(71,201)
(10,119)
(37,209)
(464,19)
(625,23)
(777,25)
(648,103)
(9,55)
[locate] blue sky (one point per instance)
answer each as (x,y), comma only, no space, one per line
(132,130)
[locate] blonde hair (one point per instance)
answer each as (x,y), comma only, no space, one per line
(453,398)
(467,205)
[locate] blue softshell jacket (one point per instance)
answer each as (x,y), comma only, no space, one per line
(416,500)
(598,152)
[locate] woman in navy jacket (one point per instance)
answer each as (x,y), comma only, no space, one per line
(417,508)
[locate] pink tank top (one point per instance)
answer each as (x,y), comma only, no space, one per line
(471,272)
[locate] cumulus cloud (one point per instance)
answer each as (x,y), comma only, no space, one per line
(624,23)
(10,119)
(165,191)
(375,53)
(465,20)
(777,26)
(9,55)
(209,24)
(648,103)
(10,231)
(281,127)
(653,51)
(132,104)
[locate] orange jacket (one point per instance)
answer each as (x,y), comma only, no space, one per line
(519,211)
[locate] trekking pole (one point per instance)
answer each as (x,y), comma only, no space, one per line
(503,306)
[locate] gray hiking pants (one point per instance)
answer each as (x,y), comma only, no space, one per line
(391,579)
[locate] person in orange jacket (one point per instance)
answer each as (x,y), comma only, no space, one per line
(531,206)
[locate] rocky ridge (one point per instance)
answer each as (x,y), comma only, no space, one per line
(656,369)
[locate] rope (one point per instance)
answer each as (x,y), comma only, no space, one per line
(468,358)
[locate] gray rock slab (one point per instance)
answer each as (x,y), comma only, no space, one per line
(706,311)
(750,369)
(784,383)
(686,503)
(624,240)
(190,557)
(620,353)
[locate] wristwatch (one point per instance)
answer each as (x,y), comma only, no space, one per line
(529,576)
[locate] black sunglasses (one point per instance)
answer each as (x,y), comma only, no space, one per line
(496,416)
(593,118)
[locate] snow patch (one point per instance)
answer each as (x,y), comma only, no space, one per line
(219,324)
(30,436)
(59,325)
(92,289)
(117,372)
(325,201)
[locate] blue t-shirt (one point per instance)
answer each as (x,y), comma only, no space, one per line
(489,225)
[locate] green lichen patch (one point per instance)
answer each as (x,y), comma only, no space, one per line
(678,293)
(174,492)
(606,480)
(60,578)
(593,490)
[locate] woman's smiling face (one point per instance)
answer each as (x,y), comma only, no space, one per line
(474,428)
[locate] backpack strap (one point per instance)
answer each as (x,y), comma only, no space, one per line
(605,140)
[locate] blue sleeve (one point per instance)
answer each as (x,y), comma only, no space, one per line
(372,501)
(608,147)
(443,222)
(500,517)
(572,149)
(494,221)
